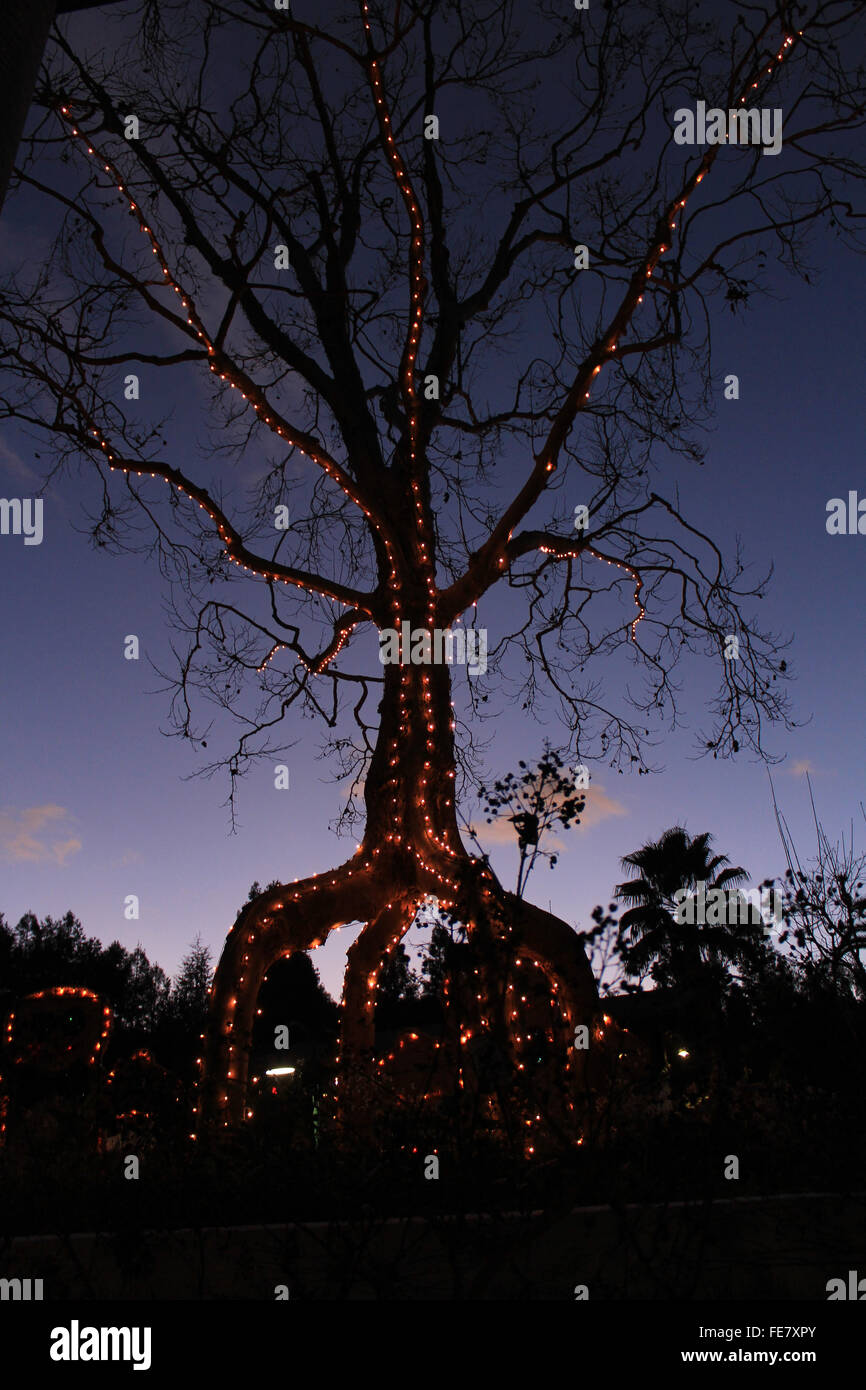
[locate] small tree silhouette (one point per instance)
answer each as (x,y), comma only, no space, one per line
(535,800)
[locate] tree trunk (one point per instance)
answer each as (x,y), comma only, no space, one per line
(411,851)
(25,29)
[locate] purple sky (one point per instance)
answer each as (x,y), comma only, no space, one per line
(94,805)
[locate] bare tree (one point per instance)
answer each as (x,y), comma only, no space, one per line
(409,385)
(823,906)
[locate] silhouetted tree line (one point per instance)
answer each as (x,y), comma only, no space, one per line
(727,1006)
(149,1009)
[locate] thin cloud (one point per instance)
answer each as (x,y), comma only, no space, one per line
(801,767)
(14,464)
(37,835)
(28,481)
(599,807)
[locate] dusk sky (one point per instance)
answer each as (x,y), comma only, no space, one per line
(94,803)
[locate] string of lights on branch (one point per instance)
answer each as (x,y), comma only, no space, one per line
(607,349)
(222,366)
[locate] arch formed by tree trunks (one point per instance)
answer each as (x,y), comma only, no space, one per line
(300,916)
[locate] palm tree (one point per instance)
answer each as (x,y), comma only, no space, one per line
(651,937)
